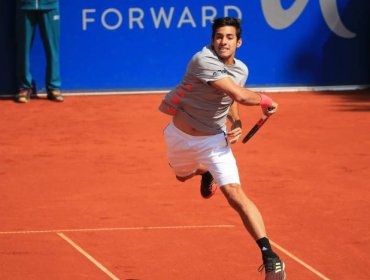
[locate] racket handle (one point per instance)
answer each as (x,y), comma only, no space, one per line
(255,128)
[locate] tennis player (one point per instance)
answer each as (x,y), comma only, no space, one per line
(197,138)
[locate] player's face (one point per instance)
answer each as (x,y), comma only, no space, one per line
(225,43)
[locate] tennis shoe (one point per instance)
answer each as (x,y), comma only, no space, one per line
(23,96)
(208,185)
(55,95)
(274,268)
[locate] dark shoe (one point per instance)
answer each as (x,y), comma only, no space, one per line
(55,95)
(274,268)
(208,185)
(23,96)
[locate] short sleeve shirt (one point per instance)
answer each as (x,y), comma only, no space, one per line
(196,102)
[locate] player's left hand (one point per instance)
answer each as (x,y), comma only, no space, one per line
(236,131)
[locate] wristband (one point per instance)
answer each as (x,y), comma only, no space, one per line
(236,124)
(265,101)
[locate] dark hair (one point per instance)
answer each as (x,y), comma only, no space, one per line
(227,21)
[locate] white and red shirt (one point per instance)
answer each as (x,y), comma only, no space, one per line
(198,104)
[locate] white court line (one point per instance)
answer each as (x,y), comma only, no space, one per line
(178,227)
(89,257)
(162,91)
(305,265)
(114,229)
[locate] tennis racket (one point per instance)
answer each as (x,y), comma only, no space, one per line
(256,127)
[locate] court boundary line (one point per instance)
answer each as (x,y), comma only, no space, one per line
(173,227)
(88,256)
(265,88)
(270,89)
(298,260)
(114,229)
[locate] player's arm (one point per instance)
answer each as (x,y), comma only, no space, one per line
(236,124)
(243,95)
(233,116)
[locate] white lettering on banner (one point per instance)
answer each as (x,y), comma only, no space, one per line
(136,17)
(230,8)
(206,17)
(186,17)
(119,19)
(275,14)
(279,18)
(85,19)
(132,18)
(162,15)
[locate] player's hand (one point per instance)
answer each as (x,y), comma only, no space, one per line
(236,131)
(268,111)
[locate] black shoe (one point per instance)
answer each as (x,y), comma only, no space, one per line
(208,185)
(274,268)
(55,95)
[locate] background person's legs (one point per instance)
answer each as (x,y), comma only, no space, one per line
(26,24)
(50,33)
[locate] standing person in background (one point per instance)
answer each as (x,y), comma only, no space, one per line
(197,140)
(45,14)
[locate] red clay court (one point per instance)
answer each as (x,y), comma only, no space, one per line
(86,192)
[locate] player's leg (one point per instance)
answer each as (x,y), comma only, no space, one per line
(247,210)
(199,171)
(222,165)
(208,184)
(253,222)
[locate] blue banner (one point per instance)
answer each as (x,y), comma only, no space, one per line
(128,45)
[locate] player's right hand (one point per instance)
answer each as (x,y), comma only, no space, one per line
(268,111)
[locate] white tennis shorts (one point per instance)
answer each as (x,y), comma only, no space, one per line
(185,153)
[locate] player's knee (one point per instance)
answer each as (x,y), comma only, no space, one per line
(234,194)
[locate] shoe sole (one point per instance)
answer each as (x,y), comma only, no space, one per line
(283,274)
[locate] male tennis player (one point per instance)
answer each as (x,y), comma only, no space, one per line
(197,139)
